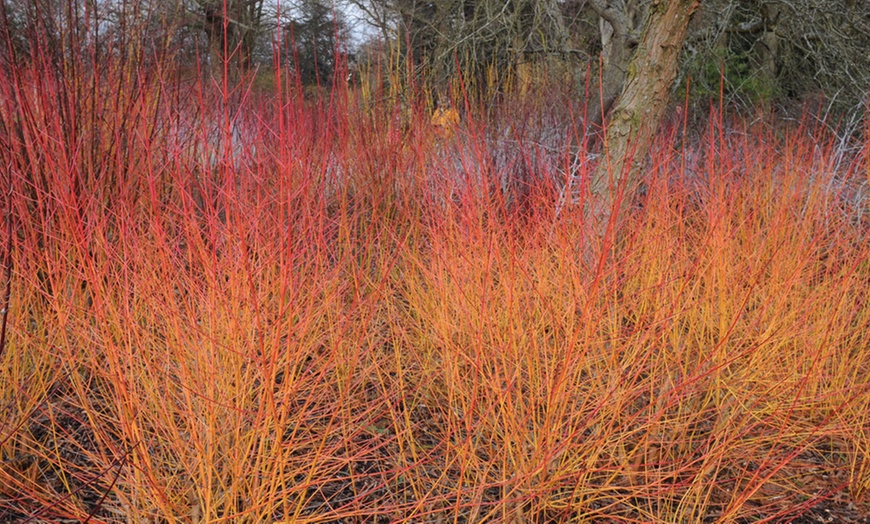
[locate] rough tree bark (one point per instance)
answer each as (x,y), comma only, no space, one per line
(618,39)
(638,110)
(769,49)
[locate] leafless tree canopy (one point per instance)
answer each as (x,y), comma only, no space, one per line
(781,50)
(443,38)
(762,49)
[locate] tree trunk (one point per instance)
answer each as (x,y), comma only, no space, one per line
(768,51)
(638,110)
(616,41)
(231,29)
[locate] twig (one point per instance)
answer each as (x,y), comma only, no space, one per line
(7,261)
(119,461)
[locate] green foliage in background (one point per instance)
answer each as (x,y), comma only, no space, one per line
(725,76)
